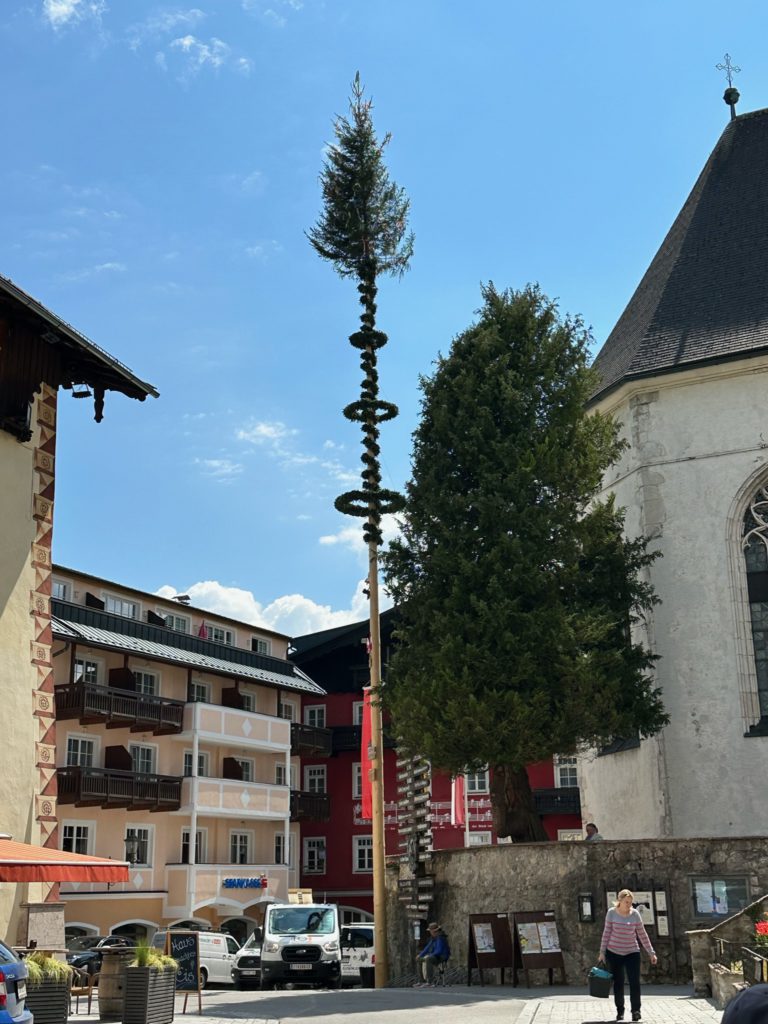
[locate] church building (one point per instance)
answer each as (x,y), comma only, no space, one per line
(685,372)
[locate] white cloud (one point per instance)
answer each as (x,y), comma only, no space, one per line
(262,251)
(263,432)
(94,271)
(251,184)
(351,537)
(162,23)
(292,614)
(273,13)
(64,12)
(220,469)
(215,53)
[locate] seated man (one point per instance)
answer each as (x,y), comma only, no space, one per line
(435,952)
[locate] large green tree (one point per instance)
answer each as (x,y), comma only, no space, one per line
(517,590)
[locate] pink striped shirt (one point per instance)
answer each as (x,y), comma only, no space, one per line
(621,934)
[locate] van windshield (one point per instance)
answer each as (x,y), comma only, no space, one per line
(302,920)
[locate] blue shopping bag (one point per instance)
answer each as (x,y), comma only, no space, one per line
(599,982)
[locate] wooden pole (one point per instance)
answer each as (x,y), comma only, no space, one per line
(377,777)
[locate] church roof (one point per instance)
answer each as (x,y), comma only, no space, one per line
(704,298)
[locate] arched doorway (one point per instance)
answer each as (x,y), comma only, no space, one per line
(136,931)
(240,928)
(77,931)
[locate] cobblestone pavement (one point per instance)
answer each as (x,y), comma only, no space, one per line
(459,1004)
(659,1006)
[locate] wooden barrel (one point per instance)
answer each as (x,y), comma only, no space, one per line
(112,982)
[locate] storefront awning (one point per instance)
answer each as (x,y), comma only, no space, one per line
(21,862)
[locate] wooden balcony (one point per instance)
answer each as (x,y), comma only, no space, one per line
(349,737)
(309,739)
(118,709)
(107,787)
(310,806)
(565,800)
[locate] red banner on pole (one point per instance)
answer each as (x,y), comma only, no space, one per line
(365,761)
(458,816)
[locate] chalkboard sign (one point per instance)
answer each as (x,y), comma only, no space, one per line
(184,947)
(537,943)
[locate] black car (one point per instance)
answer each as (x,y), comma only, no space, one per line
(246,970)
(85,952)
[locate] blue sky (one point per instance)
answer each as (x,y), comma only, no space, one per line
(160,167)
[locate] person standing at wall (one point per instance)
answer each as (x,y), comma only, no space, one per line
(623,934)
(592,831)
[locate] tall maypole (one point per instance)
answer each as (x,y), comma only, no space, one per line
(363,232)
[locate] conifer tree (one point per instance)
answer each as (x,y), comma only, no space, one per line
(517,591)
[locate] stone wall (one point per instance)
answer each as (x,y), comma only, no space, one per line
(550,876)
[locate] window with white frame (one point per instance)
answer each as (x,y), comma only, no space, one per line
(201,837)
(221,635)
(357,781)
(248,766)
(314,860)
(80,751)
(315,778)
(143,758)
(566,772)
(240,847)
(76,837)
(362,853)
(146,682)
(86,670)
(249,700)
(479,838)
(120,606)
(202,764)
(280,857)
(178,623)
(280,779)
(60,590)
(314,714)
(142,834)
(261,646)
(477,782)
(287,710)
(200,692)
(357,713)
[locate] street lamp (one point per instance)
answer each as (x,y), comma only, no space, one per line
(131,847)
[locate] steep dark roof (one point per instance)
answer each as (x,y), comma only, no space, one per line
(316,644)
(704,297)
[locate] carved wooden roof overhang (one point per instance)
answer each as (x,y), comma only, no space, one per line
(37,347)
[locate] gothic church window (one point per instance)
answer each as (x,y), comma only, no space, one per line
(755,545)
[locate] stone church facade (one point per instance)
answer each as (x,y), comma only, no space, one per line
(684,372)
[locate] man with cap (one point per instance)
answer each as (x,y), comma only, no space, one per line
(435,952)
(749,1007)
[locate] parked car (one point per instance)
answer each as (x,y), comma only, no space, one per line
(13,988)
(357,950)
(246,970)
(217,952)
(85,952)
(301,945)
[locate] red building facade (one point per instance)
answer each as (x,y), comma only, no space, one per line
(336,854)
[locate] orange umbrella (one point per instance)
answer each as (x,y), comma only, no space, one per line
(21,862)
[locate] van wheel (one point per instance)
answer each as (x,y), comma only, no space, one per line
(203,977)
(266,986)
(335,984)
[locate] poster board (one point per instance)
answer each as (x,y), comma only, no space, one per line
(537,942)
(184,947)
(490,945)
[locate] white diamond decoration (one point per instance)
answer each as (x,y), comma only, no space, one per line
(247,727)
(244,798)
(138,880)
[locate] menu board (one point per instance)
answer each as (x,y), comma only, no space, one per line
(538,942)
(490,945)
(184,947)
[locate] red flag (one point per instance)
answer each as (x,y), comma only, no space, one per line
(457,801)
(365,761)
(203,631)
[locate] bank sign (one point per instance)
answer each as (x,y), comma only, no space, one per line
(245,883)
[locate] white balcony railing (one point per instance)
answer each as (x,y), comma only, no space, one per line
(229,726)
(231,798)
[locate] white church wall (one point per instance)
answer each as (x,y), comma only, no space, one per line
(696,439)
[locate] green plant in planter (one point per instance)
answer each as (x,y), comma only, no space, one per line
(148,956)
(150,987)
(42,966)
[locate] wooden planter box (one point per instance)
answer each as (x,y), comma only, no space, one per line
(149,996)
(49,1001)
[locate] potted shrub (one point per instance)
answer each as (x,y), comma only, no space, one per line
(150,987)
(48,987)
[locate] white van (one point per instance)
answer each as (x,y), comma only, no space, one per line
(301,945)
(217,953)
(357,950)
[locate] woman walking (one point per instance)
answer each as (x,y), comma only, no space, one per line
(620,947)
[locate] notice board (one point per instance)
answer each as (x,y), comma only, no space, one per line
(537,942)
(490,945)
